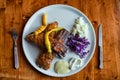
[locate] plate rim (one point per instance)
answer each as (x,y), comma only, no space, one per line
(68,6)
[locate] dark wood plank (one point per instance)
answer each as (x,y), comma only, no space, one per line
(2,4)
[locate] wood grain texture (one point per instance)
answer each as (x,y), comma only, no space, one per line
(15,13)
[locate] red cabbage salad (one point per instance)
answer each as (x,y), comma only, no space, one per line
(77,40)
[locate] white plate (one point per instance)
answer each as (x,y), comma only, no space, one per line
(65,15)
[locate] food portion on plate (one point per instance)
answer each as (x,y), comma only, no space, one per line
(54,41)
(61,67)
(50,39)
(78,40)
(74,63)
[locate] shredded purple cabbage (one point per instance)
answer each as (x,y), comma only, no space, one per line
(78,45)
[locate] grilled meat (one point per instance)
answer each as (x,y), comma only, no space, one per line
(56,39)
(51,26)
(56,42)
(58,45)
(44,60)
(61,35)
(39,39)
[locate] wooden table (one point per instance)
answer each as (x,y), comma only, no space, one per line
(15,13)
